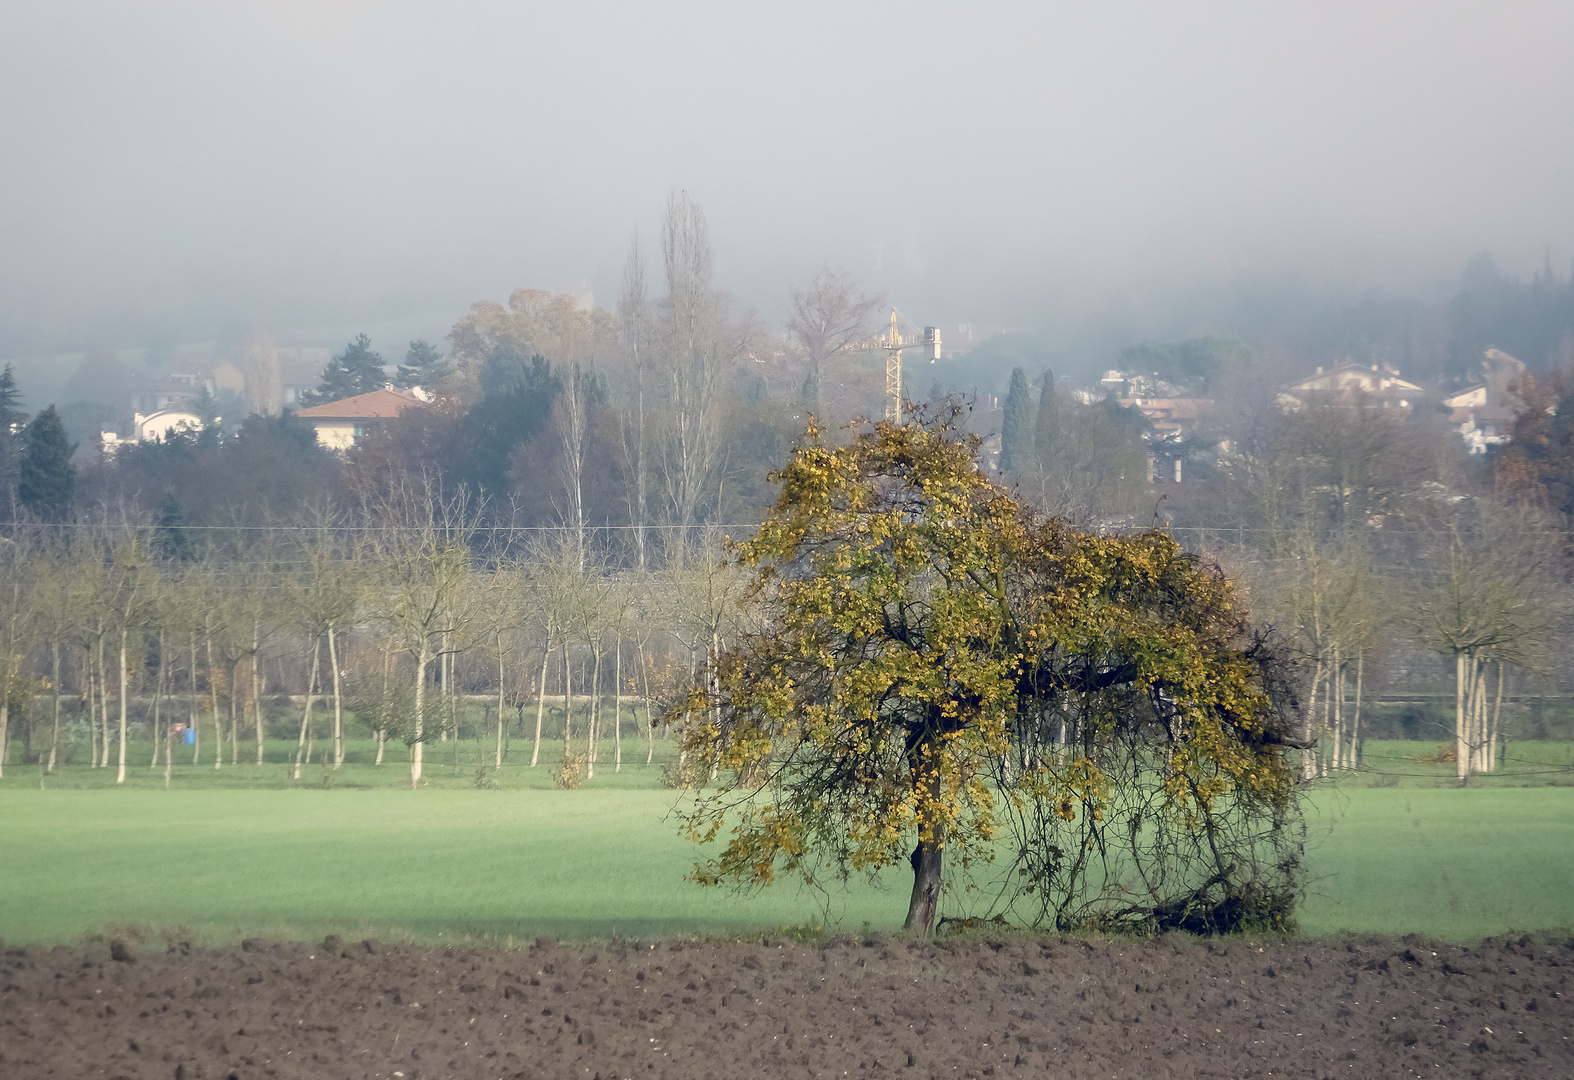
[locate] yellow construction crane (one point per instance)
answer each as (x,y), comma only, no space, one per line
(899,337)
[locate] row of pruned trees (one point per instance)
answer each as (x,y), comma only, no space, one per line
(1480,585)
(395,617)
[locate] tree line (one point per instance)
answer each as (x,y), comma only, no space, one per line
(128,629)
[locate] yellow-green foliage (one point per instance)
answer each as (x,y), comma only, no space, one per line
(925,642)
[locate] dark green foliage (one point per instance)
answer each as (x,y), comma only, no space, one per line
(1532,320)
(357,370)
(1016,428)
(171,538)
(1046,426)
(423,366)
(517,400)
(47,479)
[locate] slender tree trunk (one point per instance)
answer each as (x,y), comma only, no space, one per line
(196,706)
(103,707)
(382,706)
(169,753)
(54,739)
(568,705)
(1461,689)
(256,680)
(417,759)
(541,702)
(306,717)
(1355,723)
(617,709)
(158,695)
(1497,712)
(234,724)
(595,712)
(213,707)
(500,701)
(650,725)
(338,706)
(120,770)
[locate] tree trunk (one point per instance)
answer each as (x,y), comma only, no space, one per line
(541,703)
(213,707)
(1355,722)
(103,707)
(500,701)
(1461,688)
(1497,712)
(568,704)
(338,705)
(234,724)
(306,716)
(196,708)
(416,757)
(256,680)
(169,753)
(1309,756)
(54,739)
(650,727)
(617,709)
(158,695)
(925,901)
(120,771)
(595,713)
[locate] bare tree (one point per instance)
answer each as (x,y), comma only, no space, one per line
(634,320)
(829,315)
(1487,595)
(259,364)
(422,593)
(694,359)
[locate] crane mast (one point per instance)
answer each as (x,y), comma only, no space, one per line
(895,342)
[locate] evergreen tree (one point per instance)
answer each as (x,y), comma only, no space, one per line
(357,370)
(10,443)
(1016,429)
(1046,430)
(170,537)
(423,366)
(47,479)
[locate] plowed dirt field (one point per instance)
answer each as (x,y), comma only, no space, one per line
(879,1007)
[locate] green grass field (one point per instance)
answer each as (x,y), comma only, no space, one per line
(249,852)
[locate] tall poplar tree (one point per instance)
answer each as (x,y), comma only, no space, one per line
(1016,429)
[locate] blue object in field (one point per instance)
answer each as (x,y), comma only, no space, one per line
(189,736)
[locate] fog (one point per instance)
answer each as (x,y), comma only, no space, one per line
(176,171)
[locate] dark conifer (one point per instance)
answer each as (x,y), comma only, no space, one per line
(1016,429)
(47,479)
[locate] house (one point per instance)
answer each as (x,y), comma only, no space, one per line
(154,427)
(1350,383)
(340,424)
(1484,409)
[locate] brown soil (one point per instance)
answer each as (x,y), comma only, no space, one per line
(884,1007)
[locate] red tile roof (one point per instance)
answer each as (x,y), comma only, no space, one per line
(378,403)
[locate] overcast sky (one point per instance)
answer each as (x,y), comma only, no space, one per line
(171,170)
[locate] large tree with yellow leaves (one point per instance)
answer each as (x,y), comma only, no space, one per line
(936,672)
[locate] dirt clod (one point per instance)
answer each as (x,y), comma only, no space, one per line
(121,953)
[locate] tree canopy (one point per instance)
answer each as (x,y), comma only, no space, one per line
(937,672)
(357,370)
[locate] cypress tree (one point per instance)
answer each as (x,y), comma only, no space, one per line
(1016,429)
(1046,431)
(47,479)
